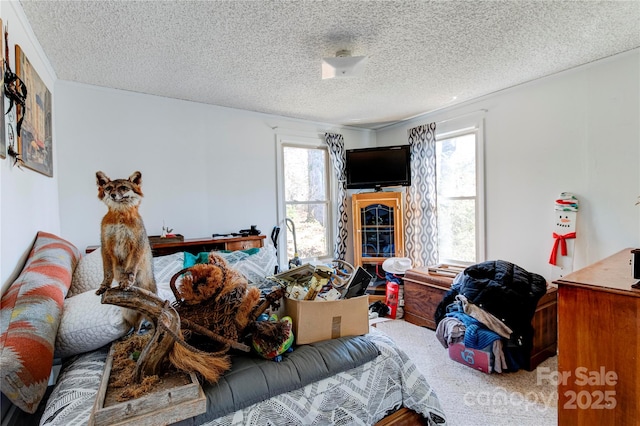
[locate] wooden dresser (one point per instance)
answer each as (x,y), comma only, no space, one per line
(197,245)
(598,344)
(423,291)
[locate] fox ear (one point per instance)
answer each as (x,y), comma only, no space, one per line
(136,178)
(102,179)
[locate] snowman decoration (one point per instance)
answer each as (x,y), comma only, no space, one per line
(566,211)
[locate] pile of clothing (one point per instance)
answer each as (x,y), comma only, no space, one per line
(492,304)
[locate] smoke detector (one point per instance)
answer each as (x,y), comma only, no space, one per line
(343,65)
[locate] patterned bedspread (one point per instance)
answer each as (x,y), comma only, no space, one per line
(360,396)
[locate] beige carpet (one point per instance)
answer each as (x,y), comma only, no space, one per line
(472,398)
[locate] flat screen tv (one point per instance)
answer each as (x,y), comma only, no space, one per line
(378,167)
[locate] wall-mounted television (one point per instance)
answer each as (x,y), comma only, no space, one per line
(378,167)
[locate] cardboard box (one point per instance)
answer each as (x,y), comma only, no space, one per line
(315,320)
(479,359)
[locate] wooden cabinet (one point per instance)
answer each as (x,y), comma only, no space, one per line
(378,231)
(599,345)
(197,245)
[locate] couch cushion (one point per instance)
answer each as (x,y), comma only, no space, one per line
(252,379)
(30,314)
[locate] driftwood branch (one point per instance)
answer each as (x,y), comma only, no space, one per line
(166,323)
(161,343)
(143,301)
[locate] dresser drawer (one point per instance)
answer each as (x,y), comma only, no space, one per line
(243,245)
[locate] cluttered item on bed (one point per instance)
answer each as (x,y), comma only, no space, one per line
(320,282)
(214,311)
(275,339)
(317,303)
(359,283)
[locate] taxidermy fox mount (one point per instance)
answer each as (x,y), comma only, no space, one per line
(126,253)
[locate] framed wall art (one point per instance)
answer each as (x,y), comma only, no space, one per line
(35,140)
(3,130)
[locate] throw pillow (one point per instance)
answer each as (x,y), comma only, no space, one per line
(88,324)
(88,274)
(30,314)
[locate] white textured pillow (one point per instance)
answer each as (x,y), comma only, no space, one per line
(88,274)
(164,268)
(256,267)
(87,324)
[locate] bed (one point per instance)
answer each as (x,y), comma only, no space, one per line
(381,388)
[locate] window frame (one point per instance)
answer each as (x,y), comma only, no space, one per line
(307,142)
(460,127)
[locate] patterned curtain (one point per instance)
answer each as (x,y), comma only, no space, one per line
(421,232)
(338,161)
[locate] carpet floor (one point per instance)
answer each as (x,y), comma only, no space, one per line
(470,397)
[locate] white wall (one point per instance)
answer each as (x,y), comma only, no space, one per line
(28,200)
(577,131)
(205,169)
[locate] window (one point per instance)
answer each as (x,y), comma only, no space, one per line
(304,199)
(460,202)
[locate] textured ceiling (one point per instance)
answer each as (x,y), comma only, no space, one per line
(265,56)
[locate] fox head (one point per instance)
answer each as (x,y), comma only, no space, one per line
(120,193)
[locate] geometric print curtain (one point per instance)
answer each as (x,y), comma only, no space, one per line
(421,232)
(339,162)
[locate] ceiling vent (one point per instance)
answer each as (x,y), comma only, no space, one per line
(343,65)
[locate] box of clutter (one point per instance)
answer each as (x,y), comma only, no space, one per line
(326,301)
(314,320)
